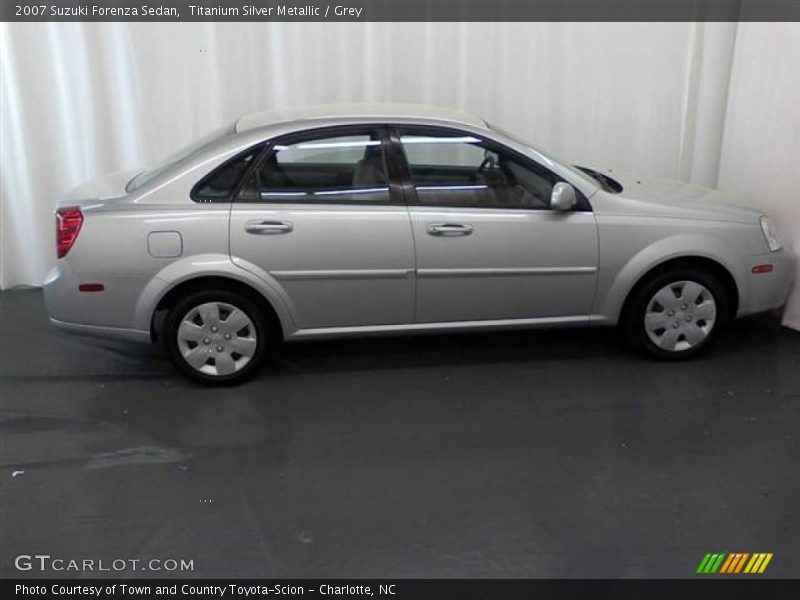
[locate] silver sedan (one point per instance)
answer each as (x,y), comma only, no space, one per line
(372,220)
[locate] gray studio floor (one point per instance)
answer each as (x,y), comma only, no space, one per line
(538,454)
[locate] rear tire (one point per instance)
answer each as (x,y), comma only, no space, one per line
(216,337)
(677,313)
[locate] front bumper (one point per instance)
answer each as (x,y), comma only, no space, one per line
(768,291)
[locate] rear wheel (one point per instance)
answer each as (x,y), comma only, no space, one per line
(677,313)
(216,337)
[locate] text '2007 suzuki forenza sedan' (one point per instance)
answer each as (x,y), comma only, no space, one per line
(387,219)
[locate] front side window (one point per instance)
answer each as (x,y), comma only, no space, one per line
(322,168)
(454,169)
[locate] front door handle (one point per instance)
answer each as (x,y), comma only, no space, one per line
(449,229)
(268,227)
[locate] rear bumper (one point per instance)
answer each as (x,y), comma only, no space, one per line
(768,291)
(103,314)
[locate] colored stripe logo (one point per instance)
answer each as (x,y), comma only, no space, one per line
(734,563)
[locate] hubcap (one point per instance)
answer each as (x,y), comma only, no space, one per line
(680,316)
(217,339)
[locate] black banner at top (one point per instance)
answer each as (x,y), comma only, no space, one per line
(399,10)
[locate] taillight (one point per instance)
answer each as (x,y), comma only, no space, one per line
(68,226)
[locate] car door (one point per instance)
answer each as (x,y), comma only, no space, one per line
(320,218)
(488,246)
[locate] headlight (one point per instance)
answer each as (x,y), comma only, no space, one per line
(769,234)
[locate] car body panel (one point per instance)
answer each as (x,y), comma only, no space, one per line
(105,187)
(343,265)
(381,113)
(516,264)
(627,256)
(660,197)
(351,270)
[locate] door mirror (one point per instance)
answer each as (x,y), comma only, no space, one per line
(563,197)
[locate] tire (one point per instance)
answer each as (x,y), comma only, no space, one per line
(216,337)
(677,313)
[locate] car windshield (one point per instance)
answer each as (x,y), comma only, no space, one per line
(575,170)
(153,172)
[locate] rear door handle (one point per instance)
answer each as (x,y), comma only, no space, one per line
(268,227)
(449,229)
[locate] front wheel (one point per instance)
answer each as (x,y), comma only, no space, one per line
(675,314)
(216,337)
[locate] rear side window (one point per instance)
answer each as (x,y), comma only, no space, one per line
(322,168)
(221,183)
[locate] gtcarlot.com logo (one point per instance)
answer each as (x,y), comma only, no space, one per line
(734,563)
(45,562)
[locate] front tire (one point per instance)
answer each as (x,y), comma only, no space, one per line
(216,337)
(675,314)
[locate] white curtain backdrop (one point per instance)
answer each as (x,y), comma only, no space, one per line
(713,103)
(762,131)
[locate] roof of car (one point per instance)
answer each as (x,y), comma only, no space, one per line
(346,111)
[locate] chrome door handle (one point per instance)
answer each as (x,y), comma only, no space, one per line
(268,227)
(449,229)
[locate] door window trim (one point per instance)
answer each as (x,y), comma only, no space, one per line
(396,195)
(409,187)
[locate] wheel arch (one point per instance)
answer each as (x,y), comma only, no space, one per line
(695,261)
(206,270)
(205,282)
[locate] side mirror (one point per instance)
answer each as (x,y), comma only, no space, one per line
(563,197)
